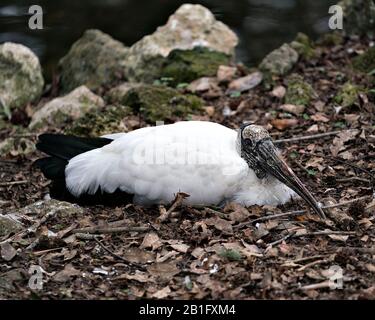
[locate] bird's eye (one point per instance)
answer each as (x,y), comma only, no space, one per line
(248,143)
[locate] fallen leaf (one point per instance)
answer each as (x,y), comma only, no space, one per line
(220,224)
(226,73)
(164,270)
(320,117)
(341,139)
(66,274)
(136,255)
(292,108)
(278,92)
(183,248)
(282,124)
(151,240)
(161,294)
(246,83)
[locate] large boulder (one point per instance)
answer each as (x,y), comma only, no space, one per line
(189,27)
(21,79)
(280,61)
(359,17)
(94,60)
(60,111)
(159,103)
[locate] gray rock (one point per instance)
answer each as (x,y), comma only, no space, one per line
(280,61)
(189,27)
(51,207)
(21,79)
(62,110)
(9,224)
(94,60)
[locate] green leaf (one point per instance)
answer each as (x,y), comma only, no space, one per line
(293,155)
(306,116)
(339,124)
(311,172)
(182,85)
(235,94)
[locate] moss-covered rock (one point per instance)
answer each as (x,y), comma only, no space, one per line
(21,79)
(117,94)
(298,92)
(188,65)
(158,103)
(304,46)
(348,95)
(94,60)
(359,17)
(60,111)
(16,146)
(365,62)
(100,122)
(189,27)
(280,61)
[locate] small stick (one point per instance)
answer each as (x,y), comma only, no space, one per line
(324,232)
(280,240)
(164,214)
(313,263)
(296,212)
(12,183)
(110,229)
(118,256)
(320,285)
(353,179)
(311,137)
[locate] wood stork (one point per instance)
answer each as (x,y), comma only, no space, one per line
(208,161)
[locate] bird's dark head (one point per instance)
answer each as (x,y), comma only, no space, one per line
(258,150)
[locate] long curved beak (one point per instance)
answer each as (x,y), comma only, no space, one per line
(271,162)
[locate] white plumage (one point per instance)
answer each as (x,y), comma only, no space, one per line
(202,159)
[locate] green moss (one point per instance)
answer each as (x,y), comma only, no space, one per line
(100,122)
(157,103)
(304,46)
(188,65)
(365,62)
(348,95)
(331,39)
(230,254)
(299,92)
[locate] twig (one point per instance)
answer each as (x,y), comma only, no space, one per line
(139,266)
(99,230)
(324,232)
(313,263)
(164,214)
(269,245)
(311,137)
(296,212)
(12,183)
(320,285)
(353,179)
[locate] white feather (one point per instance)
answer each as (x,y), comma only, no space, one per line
(154,163)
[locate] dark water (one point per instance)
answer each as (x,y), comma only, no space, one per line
(261,25)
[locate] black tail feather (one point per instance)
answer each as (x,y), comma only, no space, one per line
(61,148)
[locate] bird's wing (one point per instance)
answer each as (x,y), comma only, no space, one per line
(199,158)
